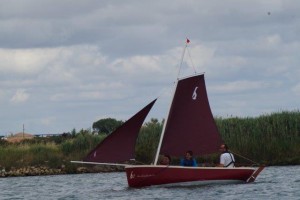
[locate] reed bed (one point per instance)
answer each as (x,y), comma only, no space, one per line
(18,155)
(271,139)
(46,152)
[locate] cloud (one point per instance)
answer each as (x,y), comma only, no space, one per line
(23,61)
(77,60)
(20,96)
(296,89)
(240,86)
(48,121)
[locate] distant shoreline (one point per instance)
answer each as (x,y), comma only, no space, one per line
(46,171)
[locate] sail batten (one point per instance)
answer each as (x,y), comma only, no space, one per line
(119,146)
(190,124)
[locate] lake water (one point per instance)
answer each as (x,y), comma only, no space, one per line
(273,183)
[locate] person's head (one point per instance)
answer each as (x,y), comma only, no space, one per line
(166,160)
(188,155)
(223,148)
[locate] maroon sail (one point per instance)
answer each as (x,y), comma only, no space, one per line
(119,146)
(190,125)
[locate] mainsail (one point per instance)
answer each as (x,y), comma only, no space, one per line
(190,124)
(119,146)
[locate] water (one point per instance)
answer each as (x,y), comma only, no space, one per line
(273,183)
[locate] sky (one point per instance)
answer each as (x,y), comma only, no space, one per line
(65,64)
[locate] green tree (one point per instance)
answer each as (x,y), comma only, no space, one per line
(147,141)
(73,132)
(106,125)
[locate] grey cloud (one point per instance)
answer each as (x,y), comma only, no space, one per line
(79,60)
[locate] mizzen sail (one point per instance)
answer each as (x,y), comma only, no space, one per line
(119,146)
(190,124)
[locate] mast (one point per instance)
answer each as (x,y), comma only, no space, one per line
(182,56)
(164,127)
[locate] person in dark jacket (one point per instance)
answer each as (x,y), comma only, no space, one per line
(188,160)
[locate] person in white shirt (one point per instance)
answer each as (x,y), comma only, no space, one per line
(226,158)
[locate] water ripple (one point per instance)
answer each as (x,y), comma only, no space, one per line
(273,183)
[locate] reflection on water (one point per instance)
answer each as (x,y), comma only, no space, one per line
(273,183)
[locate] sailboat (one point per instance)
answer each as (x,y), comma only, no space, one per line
(189,125)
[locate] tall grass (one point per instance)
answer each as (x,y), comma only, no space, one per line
(18,155)
(271,139)
(79,146)
(45,152)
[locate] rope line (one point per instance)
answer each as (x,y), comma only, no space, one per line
(244,157)
(191,61)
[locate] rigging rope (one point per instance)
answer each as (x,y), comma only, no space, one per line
(244,158)
(182,57)
(191,61)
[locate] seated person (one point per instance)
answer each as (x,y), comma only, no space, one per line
(188,161)
(166,160)
(226,158)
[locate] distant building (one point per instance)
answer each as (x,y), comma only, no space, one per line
(18,137)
